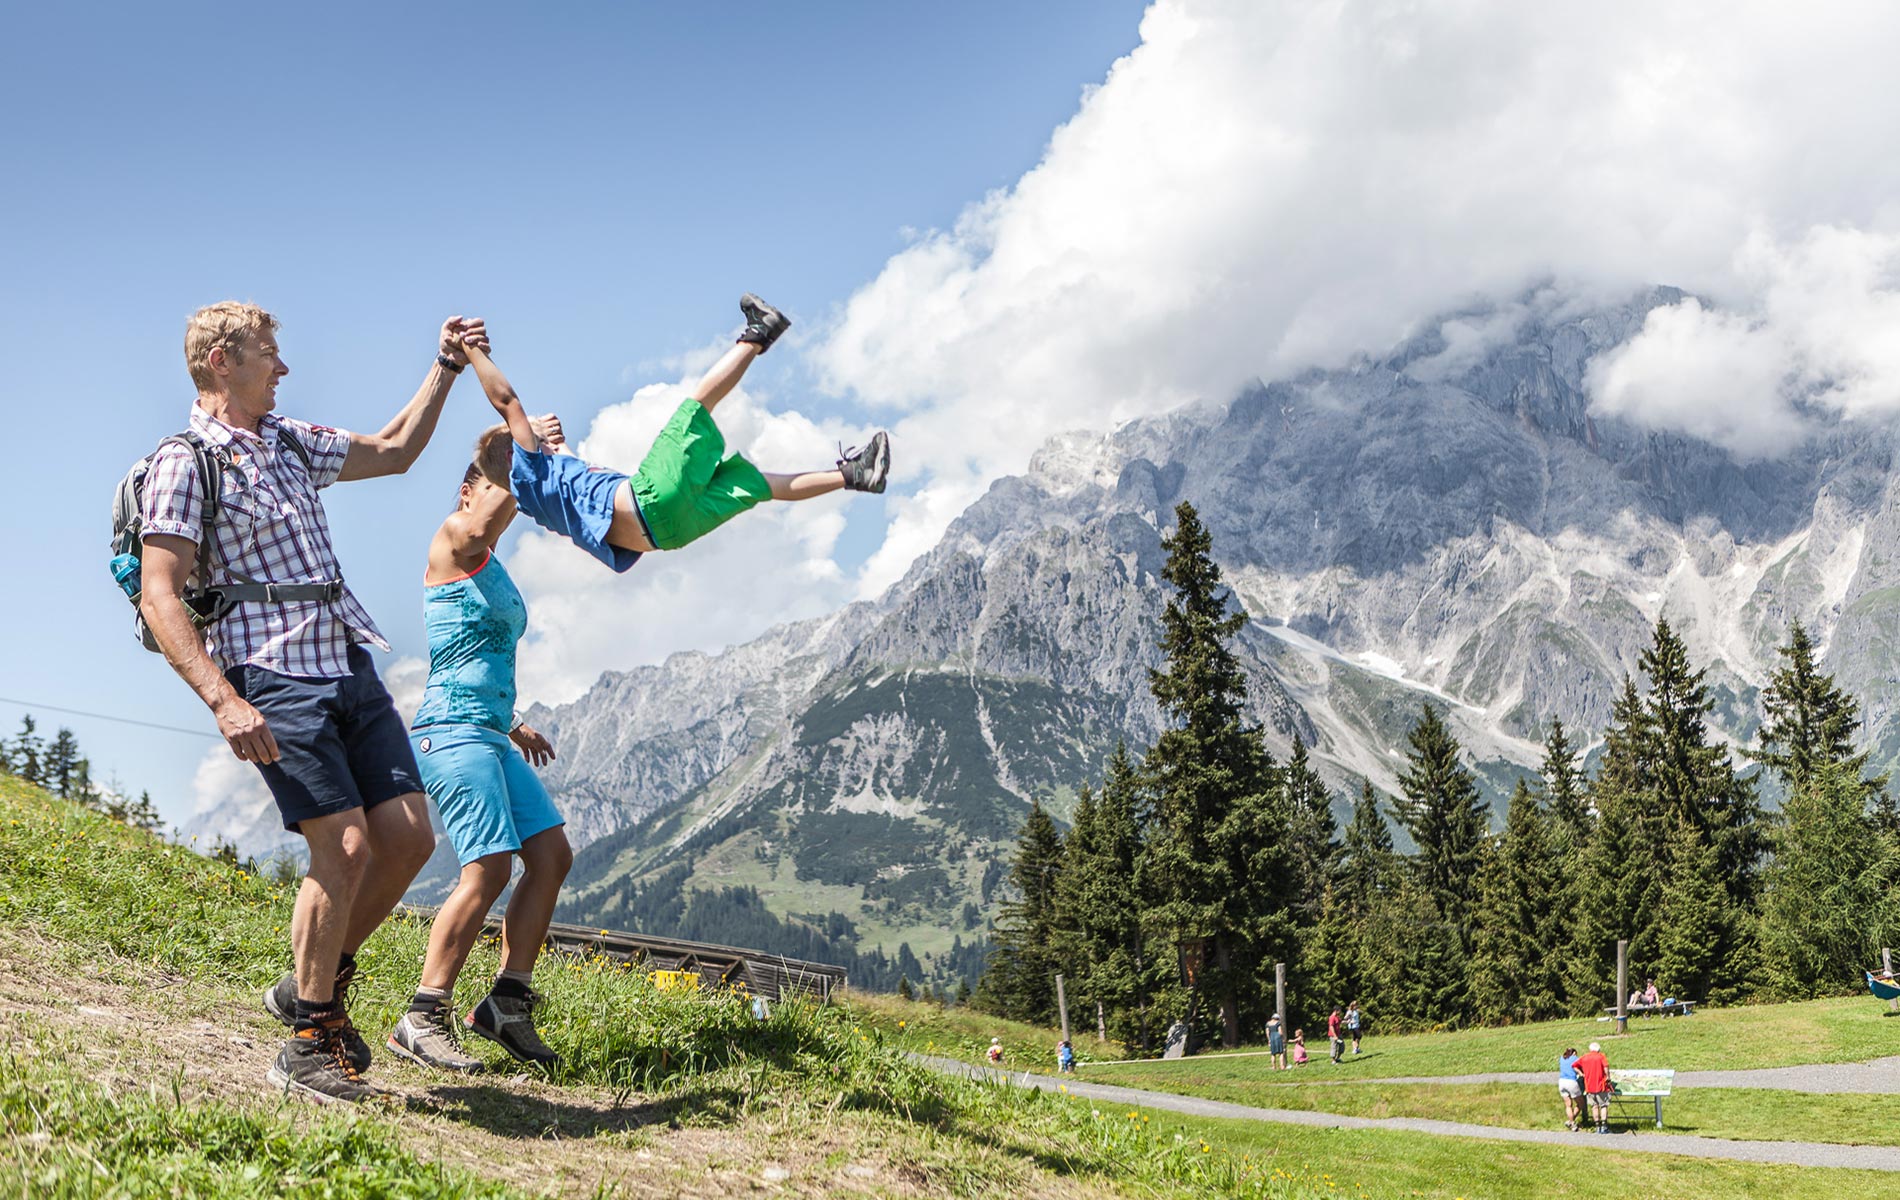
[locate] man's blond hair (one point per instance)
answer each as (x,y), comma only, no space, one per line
(225,324)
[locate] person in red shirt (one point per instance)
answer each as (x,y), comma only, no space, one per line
(1595,1070)
(1333,1026)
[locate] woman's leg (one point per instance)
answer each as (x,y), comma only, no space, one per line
(545,859)
(459,921)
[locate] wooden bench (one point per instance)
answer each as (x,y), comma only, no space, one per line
(1681,1008)
(1640,1089)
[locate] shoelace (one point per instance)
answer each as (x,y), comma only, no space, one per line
(330,1045)
(848,456)
(442,1020)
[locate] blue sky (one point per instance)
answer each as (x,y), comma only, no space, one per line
(600,182)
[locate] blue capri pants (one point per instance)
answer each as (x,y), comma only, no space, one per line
(490,799)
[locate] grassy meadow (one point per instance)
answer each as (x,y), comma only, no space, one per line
(132,1053)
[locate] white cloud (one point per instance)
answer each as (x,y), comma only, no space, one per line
(1262,187)
(767,566)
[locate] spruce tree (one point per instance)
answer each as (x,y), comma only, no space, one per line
(1514,970)
(62,756)
(1620,882)
(1366,872)
(1695,782)
(1697,924)
(1102,945)
(1808,722)
(1564,793)
(26,753)
(1443,812)
(1019,982)
(1213,870)
(1313,835)
(1830,897)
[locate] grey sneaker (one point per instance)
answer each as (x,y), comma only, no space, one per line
(313,1063)
(280,1001)
(509,1023)
(866,470)
(763,323)
(431,1040)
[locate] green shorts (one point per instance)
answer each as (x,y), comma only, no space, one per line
(686,488)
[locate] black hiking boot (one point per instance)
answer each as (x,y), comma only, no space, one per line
(280,1001)
(866,470)
(763,323)
(431,1039)
(314,1063)
(508,1021)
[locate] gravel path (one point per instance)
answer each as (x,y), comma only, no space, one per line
(1881,1077)
(1804,1154)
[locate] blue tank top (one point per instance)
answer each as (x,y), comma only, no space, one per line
(473,624)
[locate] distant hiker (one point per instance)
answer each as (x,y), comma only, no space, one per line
(1651,997)
(685,487)
(284,671)
(1595,1070)
(471,745)
(1354,1019)
(1335,1026)
(1065,1057)
(1570,1087)
(995,1052)
(1276,1042)
(1299,1047)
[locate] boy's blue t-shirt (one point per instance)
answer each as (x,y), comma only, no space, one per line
(563,495)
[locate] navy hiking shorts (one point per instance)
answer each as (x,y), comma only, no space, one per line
(341,743)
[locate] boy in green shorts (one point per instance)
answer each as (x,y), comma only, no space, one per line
(685,488)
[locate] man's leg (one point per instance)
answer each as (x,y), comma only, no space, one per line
(320,924)
(400,842)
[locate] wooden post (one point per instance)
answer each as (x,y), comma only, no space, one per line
(1886,964)
(1279,992)
(1101,1022)
(1622,986)
(1062,1006)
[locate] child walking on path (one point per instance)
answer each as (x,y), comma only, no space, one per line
(685,487)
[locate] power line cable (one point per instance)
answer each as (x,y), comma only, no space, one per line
(80,712)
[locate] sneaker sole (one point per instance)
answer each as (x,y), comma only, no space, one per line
(289,1086)
(403,1051)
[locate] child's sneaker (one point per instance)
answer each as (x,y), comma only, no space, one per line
(865,470)
(763,323)
(508,1021)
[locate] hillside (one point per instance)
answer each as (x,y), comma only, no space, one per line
(132,1056)
(1437,524)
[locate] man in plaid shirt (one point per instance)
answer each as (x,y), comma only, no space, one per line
(288,679)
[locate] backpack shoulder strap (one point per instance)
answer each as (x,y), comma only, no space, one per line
(288,440)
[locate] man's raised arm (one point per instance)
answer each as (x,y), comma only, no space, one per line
(396,448)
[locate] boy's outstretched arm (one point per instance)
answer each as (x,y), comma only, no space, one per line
(501,394)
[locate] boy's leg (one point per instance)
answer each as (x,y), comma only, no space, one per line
(805,485)
(725,374)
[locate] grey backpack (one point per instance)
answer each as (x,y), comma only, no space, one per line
(205,602)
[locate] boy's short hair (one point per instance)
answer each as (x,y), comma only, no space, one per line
(226,323)
(494,454)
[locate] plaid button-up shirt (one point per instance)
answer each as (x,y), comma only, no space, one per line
(271,527)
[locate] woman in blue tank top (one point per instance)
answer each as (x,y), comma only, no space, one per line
(471,750)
